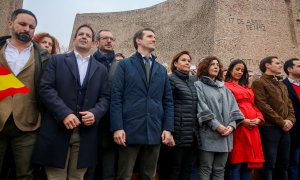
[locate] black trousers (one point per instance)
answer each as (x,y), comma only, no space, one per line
(176,162)
(106,167)
(276,147)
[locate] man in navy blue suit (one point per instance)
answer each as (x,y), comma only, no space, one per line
(292,69)
(141,108)
(74,90)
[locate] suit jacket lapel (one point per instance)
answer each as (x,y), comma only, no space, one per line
(30,61)
(70,60)
(3,61)
(154,69)
(138,63)
(291,89)
(92,67)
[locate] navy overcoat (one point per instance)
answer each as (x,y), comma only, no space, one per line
(143,110)
(295,131)
(59,92)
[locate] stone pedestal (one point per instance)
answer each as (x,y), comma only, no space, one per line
(6,8)
(245,29)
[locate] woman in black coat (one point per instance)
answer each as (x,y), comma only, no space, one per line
(180,158)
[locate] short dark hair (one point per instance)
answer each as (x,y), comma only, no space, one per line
(139,35)
(289,64)
(22,11)
(98,34)
(203,66)
(244,79)
(176,57)
(87,26)
(264,61)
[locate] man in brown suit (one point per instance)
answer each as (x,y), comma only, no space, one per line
(20,114)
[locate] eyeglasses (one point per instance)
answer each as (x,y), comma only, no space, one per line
(108,38)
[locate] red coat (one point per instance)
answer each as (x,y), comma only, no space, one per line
(246,142)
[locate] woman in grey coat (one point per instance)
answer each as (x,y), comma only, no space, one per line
(218,114)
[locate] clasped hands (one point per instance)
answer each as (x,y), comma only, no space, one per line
(71,121)
(251,123)
(224,131)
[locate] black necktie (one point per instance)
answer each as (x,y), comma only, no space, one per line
(147,67)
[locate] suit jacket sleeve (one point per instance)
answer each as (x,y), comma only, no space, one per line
(116,105)
(168,121)
(49,95)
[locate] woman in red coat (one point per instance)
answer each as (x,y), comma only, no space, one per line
(247,149)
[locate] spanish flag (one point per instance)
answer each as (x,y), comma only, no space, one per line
(9,84)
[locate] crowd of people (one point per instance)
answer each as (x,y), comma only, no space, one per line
(98,115)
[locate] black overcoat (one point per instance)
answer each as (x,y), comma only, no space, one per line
(59,91)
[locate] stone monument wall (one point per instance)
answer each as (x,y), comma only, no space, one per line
(251,30)
(6,8)
(245,29)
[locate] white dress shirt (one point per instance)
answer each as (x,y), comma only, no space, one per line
(297,83)
(150,58)
(83,63)
(15,59)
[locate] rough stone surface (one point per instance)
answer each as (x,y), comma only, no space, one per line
(6,8)
(245,29)
(253,29)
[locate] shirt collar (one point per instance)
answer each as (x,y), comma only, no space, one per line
(79,57)
(10,45)
(297,83)
(150,57)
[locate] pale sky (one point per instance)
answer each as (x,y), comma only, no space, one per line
(57,16)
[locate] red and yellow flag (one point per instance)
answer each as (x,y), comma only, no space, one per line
(9,84)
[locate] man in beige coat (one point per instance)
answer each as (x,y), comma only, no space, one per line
(20,114)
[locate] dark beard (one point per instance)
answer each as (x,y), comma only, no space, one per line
(24,37)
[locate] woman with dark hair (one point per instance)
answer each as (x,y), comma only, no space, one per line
(47,41)
(247,150)
(176,162)
(218,114)
(185,117)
